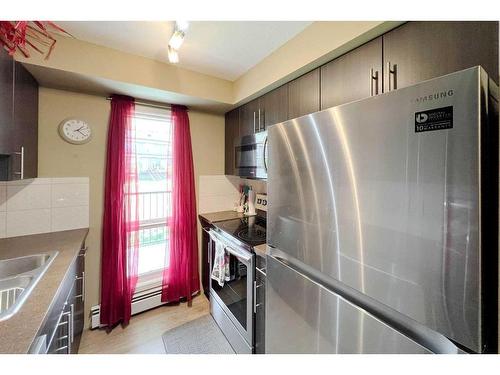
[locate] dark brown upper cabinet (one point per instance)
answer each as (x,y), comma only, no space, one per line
(6,102)
(25,123)
(304,94)
(353,76)
(274,107)
(418,51)
(249,118)
(231,134)
(18,121)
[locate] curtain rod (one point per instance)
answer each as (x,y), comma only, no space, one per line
(162,106)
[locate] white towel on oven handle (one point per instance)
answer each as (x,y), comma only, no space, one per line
(220,269)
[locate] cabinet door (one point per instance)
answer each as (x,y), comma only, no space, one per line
(205,256)
(274,107)
(260,310)
(249,118)
(25,122)
(303,95)
(424,50)
(6,101)
(60,340)
(79,301)
(231,133)
(353,76)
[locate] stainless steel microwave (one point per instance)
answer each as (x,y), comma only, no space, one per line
(250,156)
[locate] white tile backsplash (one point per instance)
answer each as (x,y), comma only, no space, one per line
(70,195)
(28,197)
(31,181)
(43,205)
(3,198)
(221,192)
(21,223)
(70,180)
(64,218)
(3,218)
(215,186)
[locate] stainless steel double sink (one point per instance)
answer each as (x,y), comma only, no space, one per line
(18,277)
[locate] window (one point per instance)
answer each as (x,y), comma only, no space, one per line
(153,147)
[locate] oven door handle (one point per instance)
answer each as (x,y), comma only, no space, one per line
(240,254)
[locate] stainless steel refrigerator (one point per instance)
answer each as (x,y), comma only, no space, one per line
(383,221)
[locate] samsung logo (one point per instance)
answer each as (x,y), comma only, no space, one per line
(435,96)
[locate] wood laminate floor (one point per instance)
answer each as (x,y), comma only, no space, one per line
(143,334)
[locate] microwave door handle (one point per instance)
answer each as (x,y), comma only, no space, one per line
(264,154)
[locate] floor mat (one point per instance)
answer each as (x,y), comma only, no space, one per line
(200,336)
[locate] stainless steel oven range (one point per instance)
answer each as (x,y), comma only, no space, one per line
(232,302)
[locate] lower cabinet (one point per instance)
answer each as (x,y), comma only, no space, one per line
(205,256)
(62,330)
(260,305)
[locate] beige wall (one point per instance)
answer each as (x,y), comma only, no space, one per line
(98,62)
(317,44)
(85,67)
(60,159)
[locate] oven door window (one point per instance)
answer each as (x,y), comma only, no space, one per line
(234,292)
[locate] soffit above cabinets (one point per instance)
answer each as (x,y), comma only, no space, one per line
(223,49)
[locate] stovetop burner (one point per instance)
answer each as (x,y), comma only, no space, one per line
(252,235)
(249,230)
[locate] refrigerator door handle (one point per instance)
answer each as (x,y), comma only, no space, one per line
(419,333)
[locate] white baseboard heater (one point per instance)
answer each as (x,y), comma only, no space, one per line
(142,301)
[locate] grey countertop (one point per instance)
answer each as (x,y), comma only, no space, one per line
(213,217)
(18,332)
(260,250)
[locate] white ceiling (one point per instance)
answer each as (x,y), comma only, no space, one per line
(224,49)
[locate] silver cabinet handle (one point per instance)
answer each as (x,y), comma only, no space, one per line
(68,322)
(82,278)
(21,172)
(83,286)
(254,123)
(373,77)
(22,162)
(82,253)
(255,304)
(392,72)
(259,119)
(255,297)
(261,270)
(72,322)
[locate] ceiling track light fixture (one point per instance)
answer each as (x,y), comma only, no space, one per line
(176,41)
(173,55)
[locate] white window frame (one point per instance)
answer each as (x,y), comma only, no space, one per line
(152,279)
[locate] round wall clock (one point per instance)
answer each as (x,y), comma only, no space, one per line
(75,131)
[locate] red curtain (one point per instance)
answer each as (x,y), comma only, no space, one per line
(181,278)
(120,243)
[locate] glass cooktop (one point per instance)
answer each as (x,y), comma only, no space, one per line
(250,230)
